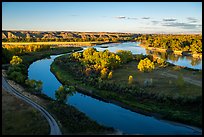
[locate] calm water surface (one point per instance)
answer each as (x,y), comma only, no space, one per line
(108,114)
(136,49)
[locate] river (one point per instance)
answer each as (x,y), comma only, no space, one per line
(186,61)
(107,114)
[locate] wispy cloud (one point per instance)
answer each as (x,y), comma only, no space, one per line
(171,19)
(146,18)
(124,17)
(192,20)
(182,25)
(132,18)
(120,17)
(155,22)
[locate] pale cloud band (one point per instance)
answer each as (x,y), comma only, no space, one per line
(192,20)
(183,25)
(146,18)
(120,17)
(169,19)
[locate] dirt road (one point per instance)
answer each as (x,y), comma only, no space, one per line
(54,128)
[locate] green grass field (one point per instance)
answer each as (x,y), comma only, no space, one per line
(163,85)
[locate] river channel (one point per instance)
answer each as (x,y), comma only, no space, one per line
(108,114)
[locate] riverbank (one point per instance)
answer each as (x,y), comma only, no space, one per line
(71,120)
(177,52)
(29,58)
(147,106)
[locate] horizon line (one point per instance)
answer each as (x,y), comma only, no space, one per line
(105,31)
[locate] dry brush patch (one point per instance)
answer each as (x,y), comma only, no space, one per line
(18,118)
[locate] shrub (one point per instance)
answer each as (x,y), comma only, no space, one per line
(17,76)
(139,57)
(35,86)
(6,56)
(110,75)
(63,92)
(16,60)
(130,79)
(104,72)
(145,65)
(88,71)
(125,55)
(13,68)
(76,55)
(161,62)
(18,68)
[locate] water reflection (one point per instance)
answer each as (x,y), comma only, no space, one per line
(106,113)
(186,61)
(195,62)
(180,60)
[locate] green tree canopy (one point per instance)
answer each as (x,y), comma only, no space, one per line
(34,85)
(63,92)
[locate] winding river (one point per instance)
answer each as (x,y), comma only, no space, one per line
(108,114)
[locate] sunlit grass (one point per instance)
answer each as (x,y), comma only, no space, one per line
(161,84)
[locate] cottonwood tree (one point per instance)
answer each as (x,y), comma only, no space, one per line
(16,60)
(34,85)
(63,92)
(145,65)
(130,79)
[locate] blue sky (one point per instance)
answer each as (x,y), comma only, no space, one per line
(134,17)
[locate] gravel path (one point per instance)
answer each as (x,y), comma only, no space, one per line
(54,128)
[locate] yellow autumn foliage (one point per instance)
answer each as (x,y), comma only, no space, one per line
(146,65)
(16,60)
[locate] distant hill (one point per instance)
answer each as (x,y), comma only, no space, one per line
(62,35)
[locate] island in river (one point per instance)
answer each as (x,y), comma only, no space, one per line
(156,93)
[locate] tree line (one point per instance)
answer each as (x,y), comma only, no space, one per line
(11,50)
(20,49)
(72,39)
(100,63)
(190,43)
